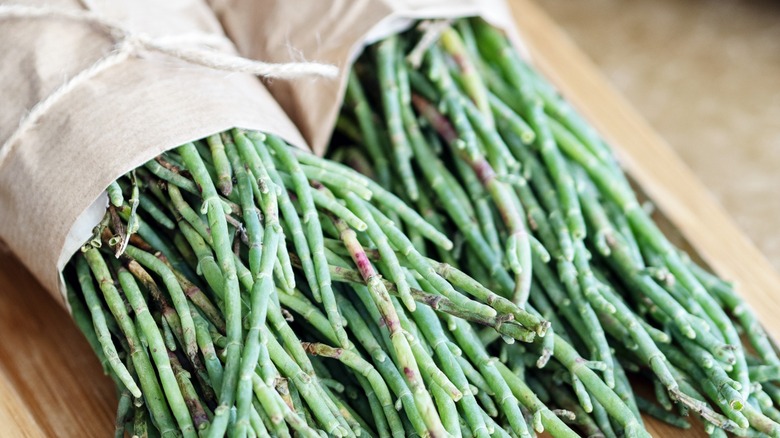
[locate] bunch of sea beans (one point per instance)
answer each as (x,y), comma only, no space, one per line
(239,286)
(451,119)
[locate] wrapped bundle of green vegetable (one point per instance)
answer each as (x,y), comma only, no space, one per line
(235,285)
(227,286)
(544,215)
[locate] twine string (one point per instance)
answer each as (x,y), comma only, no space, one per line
(194,48)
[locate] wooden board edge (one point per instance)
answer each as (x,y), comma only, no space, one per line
(16,419)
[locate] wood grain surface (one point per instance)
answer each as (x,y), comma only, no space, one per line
(51,384)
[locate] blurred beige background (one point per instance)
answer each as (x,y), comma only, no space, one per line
(706,75)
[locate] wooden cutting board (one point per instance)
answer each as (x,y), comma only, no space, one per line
(51,384)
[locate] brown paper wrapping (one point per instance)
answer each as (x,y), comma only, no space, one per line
(334,32)
(51,182)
